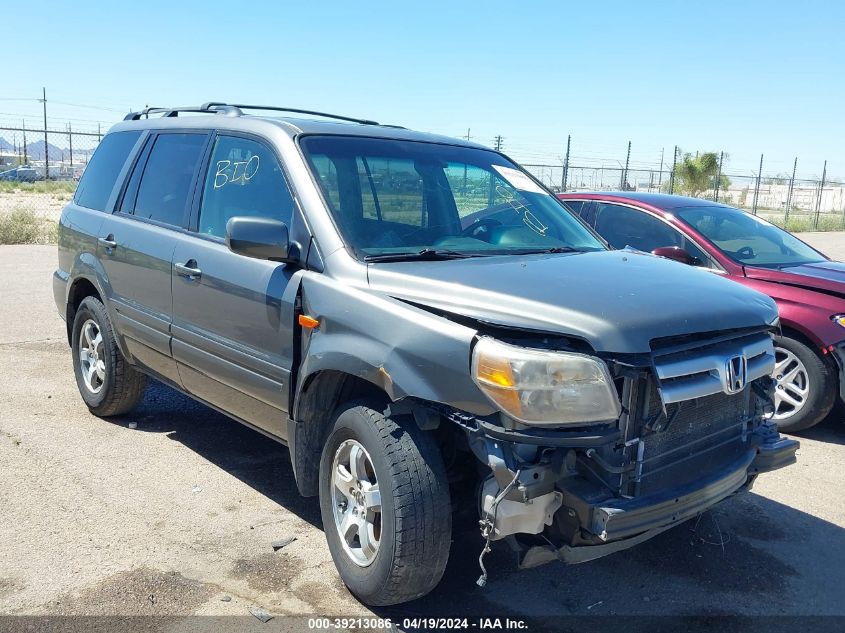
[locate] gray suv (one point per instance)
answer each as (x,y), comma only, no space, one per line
(425,326)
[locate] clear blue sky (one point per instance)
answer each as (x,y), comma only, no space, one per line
(748,78)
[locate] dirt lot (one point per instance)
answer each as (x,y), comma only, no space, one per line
(172,511)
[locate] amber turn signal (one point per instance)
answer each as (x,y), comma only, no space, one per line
(308,322)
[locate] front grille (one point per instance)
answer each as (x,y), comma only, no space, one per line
(696,437)
(688,374)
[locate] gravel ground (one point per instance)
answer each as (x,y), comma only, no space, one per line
(45,205)
(171,511)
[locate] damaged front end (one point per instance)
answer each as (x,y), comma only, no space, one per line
(692,429)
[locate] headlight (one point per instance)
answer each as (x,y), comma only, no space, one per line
(545,388)
(839,319)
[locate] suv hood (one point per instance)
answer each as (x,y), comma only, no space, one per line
(615,300)
(827,276)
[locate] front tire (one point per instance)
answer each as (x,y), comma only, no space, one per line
(804,394)
(106,382)
(384,499)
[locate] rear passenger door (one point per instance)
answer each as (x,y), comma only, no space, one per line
(233,315)
(137,242)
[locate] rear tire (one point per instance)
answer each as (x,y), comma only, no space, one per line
(106,382)
(805,392)
(411,531)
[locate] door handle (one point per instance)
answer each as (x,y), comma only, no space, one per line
(188,269)
(108,241)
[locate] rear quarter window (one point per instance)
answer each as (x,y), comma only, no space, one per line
(167,177)
(100,175)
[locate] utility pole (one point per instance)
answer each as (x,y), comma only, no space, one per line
(660,177)
(70,144)
(672,174)
(757,187)
(719,175)
(819,199)
(566,164)
(789,193)
(46,153)
(624,180)
(498,143)
(25,158)
(467,137)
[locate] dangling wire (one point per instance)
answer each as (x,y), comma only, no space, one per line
(488,527)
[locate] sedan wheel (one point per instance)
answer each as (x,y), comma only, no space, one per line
(792,386)
(805,387)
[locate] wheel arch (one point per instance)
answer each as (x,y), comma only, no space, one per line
(78,290)
(795,331)
(321,393)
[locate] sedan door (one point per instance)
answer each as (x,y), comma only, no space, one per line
(621,226)
(233,315)
(136,245)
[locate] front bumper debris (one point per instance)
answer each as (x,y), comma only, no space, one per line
(620,523)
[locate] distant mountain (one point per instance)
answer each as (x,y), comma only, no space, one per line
(35,151)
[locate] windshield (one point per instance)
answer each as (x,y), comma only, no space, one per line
(393,198)
(748,239)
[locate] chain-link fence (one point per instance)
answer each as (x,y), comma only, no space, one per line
(796,203)
(39,170)
(38,174)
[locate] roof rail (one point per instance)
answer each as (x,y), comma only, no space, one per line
(232,109)
(294,110)
(174,112)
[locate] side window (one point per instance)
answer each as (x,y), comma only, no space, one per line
(392,191)
(575,205)
(622,226)
(244,178)
(472,190)
(97,182)
(167,177)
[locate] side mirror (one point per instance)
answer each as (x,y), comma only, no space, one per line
(260,238)
(674,252)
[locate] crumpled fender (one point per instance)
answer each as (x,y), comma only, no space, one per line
(404,350)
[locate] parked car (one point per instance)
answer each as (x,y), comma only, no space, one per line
(808,287)
(312,280)
(23,173)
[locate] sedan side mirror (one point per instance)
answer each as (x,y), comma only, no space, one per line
(675,252)
(260,238)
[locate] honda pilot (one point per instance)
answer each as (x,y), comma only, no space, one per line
(426,328)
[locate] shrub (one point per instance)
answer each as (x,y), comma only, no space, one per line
(22,226)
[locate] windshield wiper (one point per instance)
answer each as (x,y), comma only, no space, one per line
(426,254)
(553,249)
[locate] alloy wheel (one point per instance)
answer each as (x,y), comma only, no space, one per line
(792,386)
(91,358)
(356,502)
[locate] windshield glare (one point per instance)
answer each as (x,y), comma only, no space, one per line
(396,197)
(748,239)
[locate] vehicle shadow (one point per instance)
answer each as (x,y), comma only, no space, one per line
(258,461)
(830,430)
(750,555)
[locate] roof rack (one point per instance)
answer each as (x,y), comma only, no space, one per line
(232,109)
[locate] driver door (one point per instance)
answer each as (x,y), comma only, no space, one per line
(233,315)
(625,226)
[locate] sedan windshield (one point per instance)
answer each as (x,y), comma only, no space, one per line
(748,239)
(396,200)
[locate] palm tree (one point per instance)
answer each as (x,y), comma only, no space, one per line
(695,174)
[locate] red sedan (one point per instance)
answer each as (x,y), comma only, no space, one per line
(808,287)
